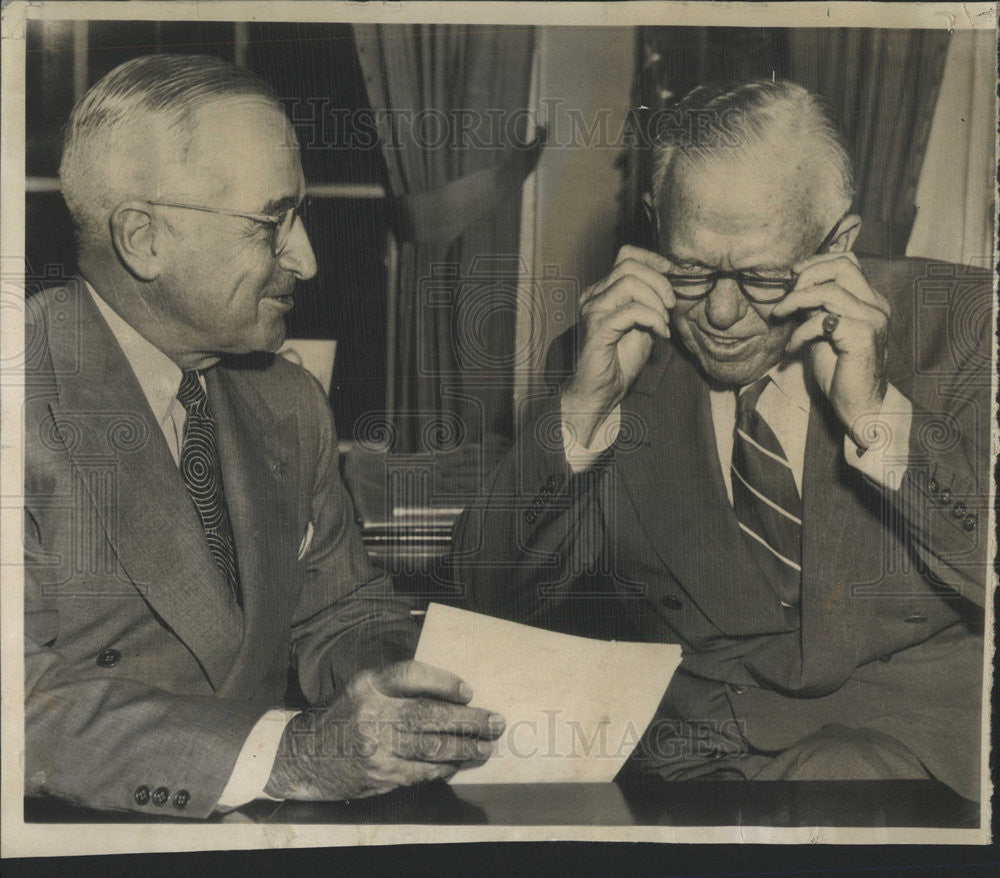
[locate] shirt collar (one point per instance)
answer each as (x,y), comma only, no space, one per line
(789,376)
(158,375)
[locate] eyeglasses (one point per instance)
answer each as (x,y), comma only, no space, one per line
(760,290)
(281,224)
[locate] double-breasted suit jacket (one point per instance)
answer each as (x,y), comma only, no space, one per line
(141,669)
(888,632)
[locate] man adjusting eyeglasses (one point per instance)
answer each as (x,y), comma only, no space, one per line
(764,461)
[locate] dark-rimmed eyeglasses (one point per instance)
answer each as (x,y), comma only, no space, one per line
(281,224)
(760,290)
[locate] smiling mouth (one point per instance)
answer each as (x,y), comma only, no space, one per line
(287,300)
(724,341)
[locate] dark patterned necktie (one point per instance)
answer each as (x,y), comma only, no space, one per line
(765,498)
(203,477)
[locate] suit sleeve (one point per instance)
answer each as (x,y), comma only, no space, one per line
(113,743)
(536,526)
(348,618)
(943,495)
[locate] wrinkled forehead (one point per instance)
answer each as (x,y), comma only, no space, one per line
(243,151)
(750,205)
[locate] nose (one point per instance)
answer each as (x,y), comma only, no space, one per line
(298,256)
(725,305)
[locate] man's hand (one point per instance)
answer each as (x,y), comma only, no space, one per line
(405,724)
(850,363)
(619,315)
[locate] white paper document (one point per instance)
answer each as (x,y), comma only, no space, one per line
(575,707)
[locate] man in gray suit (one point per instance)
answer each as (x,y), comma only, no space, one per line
(187,537)
(769,451)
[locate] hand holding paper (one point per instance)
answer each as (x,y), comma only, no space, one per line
(575,707)
(404,724)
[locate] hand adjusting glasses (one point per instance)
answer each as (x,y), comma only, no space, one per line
(761,290)
(281,224)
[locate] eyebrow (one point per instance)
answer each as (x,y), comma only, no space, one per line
(750,269)
(687,262)
(765,266)
(276,206)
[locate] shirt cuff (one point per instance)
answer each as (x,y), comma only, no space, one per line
(888,454)
(253,766)
(580,457)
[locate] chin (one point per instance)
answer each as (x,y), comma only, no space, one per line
(271,338)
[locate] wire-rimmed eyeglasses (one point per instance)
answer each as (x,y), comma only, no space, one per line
(281,224)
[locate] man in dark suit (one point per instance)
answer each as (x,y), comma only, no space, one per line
(188,539)
(771,452)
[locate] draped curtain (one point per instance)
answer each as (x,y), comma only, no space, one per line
(450,110)
(955,195)
(881,84)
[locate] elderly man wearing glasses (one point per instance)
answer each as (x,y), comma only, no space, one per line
(189,545)
(772,452)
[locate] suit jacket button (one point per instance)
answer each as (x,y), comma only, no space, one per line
(959,509)
(161,795)
(970,522)
(946,496)
(141,795)
(530,516)
(108,658)
(181,798)
(738,688)
(915,618)
(933,486)
(670,602)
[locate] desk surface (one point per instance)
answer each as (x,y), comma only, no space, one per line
(633,802)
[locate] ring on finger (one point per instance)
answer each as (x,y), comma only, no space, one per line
(830,324)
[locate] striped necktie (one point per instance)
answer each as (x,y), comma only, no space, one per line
(765,498)
(203,477)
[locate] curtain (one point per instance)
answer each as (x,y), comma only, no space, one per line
(450,105)
(883,85)
(955,208)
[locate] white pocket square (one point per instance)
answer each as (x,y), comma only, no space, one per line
(306,541)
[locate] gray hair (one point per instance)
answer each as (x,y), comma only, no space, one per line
(149,100)
(714,122)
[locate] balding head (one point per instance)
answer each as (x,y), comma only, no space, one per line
(130,134)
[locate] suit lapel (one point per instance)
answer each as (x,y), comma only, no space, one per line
(147,516)
(259,463)
(676,487)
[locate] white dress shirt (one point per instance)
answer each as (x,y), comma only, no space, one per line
(160,379)
(784,405)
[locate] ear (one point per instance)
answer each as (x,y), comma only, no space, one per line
(133,233)
(850,228)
